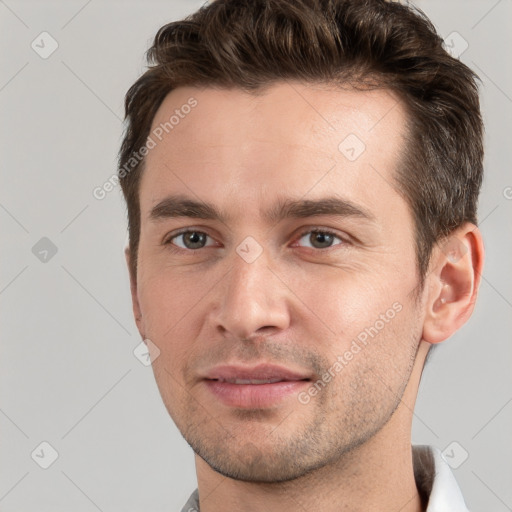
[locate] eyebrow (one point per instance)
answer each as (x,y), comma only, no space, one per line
(181,206)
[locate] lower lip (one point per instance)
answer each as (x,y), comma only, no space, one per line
(254,396)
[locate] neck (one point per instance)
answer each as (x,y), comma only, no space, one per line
(376,476)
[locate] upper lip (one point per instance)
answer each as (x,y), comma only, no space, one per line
(261,371)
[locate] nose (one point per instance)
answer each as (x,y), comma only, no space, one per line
(251,301)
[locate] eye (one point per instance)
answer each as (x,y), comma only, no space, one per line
(190,240)
(319,239)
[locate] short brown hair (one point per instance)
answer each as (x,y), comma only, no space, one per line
(251,44)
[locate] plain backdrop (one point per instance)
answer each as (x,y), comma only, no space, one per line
(69,376)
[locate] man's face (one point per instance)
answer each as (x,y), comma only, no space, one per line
(278,281)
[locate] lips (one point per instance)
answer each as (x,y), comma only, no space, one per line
(260,374)
(251,381)
(259,387)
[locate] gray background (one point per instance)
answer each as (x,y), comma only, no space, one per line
(68,373)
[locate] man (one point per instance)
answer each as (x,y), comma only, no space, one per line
(301,179)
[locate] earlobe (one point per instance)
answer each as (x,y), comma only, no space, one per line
(135,298)
(456,268)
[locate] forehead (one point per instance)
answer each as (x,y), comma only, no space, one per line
(242,149)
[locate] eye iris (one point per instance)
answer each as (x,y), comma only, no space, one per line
(194,240)
(321,240)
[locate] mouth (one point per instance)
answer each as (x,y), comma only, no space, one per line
(255,381)
(259,374)
(259,387)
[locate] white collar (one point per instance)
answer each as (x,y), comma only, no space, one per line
(444,493)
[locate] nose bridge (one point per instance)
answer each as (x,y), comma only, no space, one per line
(251,297)
(248,276)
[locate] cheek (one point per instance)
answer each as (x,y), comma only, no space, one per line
(347,299)
(166,295)
(170,306)
(375,355)
(370,320)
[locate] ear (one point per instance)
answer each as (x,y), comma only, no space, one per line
(135,299)
(453,281)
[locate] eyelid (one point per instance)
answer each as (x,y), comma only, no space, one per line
(311,229)
(189,229)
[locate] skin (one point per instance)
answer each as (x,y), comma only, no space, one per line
(297,305)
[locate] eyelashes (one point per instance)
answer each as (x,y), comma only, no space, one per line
(193,237)
(325,234)
(192,240)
